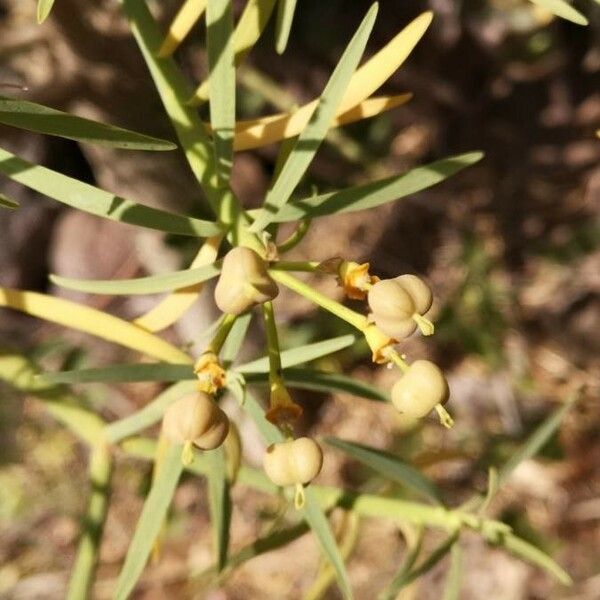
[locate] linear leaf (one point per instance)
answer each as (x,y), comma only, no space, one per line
(318,523)
(312,136)
(376,193)
(219,503)
(236,337)
(219,46)
(49,121)
(247,32)
(285,18)
(124,373)
(320,381)
(89,320)
(536,440)
(563,9)
(388,465)
(91,199)
(154,284)
(187,16)
(296,356)
(452,587)
(43,10)
(150,522)
(150,414)
(6,202)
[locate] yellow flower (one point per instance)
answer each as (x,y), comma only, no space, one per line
(211,375)
(355,279)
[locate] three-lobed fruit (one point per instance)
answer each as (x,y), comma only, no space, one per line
(293,462)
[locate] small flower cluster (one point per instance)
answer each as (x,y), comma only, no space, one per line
(396,308)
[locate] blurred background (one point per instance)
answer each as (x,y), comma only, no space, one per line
(510,246)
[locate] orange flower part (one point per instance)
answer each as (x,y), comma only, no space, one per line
(380,343)
(211,375)
(283,409)
(355,279)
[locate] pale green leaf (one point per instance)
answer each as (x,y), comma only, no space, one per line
(317,520)
(389,466)
(91,199)
(452,588)
(150,522)
(376,193)
(313,134)
(43,10)
(42,119)
(153,284)
(235,339)
(150,414)
(319,381)
(122,373)
(6,202)
(561,8)
(303,354)
(285,18)
(220,51)
(219,502)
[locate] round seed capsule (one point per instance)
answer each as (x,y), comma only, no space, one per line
(294,462)
(418,290)
(389,300)
(244,282)
(419,389)
(197,419)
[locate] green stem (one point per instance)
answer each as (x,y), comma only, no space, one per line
(223,331)
(339,310)
(296,237)
(272,343)
(399,361)
(308,266)
(100,471)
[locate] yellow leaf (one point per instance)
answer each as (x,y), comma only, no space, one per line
(170,309)
(266,130)
(189,14)
(73,315)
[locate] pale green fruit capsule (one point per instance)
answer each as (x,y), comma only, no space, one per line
(244,282)
(389,300)
(293,462)
(420,389)
(196,419)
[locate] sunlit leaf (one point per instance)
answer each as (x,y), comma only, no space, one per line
(42,119)
(285,17)
(302,354)
(388,465)
(285,126)
(43,10)
(150,414)
(150,522)
(90,320)
(170,309)
(313,134)
(219,502)
(376,193)
(153,284)
(6,202)
(187,16)
(247,32)
(91,199)
(561,8)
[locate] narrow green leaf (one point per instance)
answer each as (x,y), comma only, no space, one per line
(313,134)
(154,284)
(150,522)
(220,504)
(376,193)
(123,373)
(563,9)
(285,18)
(536,440)
(303,354)
(220,51)
(452,589)
(82,574)
(269,432)
(319,381)
(91,199)
(235,339)
(6,202)
(42,119)
(149,415)
(531,554)
(43,10)
(389,466)
(318,523)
